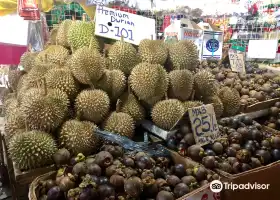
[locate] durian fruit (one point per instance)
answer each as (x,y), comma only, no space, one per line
(27,60)
(53,54)
(13,78)
(204,84)
(10,106)
(53,35)
(63,80)
(153,51)
(14,124)
(5,94)
(32,149)
(79,137)
(62,32)
(149,82)
(113,82)
(93,105)
(81,34)
(183,55)
(191,104)
(217,104)
(44,110)
(87,65)
(120,123)
(123,56)
(130,105)
(181,84)
(166,113)
(231,100)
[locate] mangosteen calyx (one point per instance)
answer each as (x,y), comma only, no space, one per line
(87,181)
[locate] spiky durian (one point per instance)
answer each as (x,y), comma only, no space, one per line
(123,56)
(87,65)
(191,104)
(45,110)
(10,106)
(13,78)
(14,124)
(81,34)
(63,80)
(79,137)
(92,105)
(149,82)
(130,105)
(217,104)
(183,55)
(54,54)
(32,149)
(204,84)
(153,51)
(113,82)
(27,60)
(62,33)
(181,84)
(231,100)
(167,112)
(53,35)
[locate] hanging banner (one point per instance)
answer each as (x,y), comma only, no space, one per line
(212,45)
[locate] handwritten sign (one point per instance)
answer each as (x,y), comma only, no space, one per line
(204,124)
(94,2)
(111,23)
(262,49)
(236,59)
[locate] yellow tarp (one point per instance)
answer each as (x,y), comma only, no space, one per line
(10,6)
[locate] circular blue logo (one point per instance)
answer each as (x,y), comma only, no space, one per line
(212,45)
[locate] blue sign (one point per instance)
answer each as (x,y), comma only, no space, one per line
(212,45)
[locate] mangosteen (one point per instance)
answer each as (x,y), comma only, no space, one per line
(236,167)
(266,144)
(235,122)
(172,144)
(95,179)
(161,183)
(179,170)
(271,125)
(127,161)
(115,151)
(264,156)
(133,186)
(196,152)
(260,96)
(210,152)
(106,191)
(275,142)
(200,173)
(231,152)
(245,167)
(79,169)
(189,172)
(225,166)
(223,121)
(139,155)
(61,157)
(158,172)
(237,147)
(129,172)
(117,162)
(232,160)
(218,148)
(147,173)
(244,91)
(144,162)
(189,180)
(150,188)
(257,135)
(235,137)
(88,194)
(277,104)
(209,162)
(202,183)
(243,155)
(94,169)
(255,162)
(185,129)
(223,141)
(247,120)
(117,181)
(274,111)
(189,139)
(103,180)
(275,153)
(173,180)
(164,195)
(55,193)
(67,183)
(180,190)
(244,132)
(104,159)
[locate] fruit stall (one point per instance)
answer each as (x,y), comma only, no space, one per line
(102,109)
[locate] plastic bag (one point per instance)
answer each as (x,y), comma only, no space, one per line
(35,36)
(129,145)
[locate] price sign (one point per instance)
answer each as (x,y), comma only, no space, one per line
(204,124)
(236,59)
(114,24)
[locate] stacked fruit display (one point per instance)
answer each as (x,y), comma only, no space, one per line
(70,88)
(113,174)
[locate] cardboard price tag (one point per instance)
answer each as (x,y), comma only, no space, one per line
(236,59)
(204,124)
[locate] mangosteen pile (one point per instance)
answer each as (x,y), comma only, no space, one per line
(114,174)
(242,147)
(273,120)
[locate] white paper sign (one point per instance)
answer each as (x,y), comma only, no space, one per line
(262,49)
(236,59)
(204,124)
(212,45)
(111,23)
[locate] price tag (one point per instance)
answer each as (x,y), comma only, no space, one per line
(236,59)
(114,24)
(204,124)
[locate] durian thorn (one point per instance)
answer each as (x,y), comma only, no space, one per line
(166,96)
(122,38)
(90,43)
(78,115)
(118,105)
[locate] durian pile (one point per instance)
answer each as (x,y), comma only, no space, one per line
(72,87)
